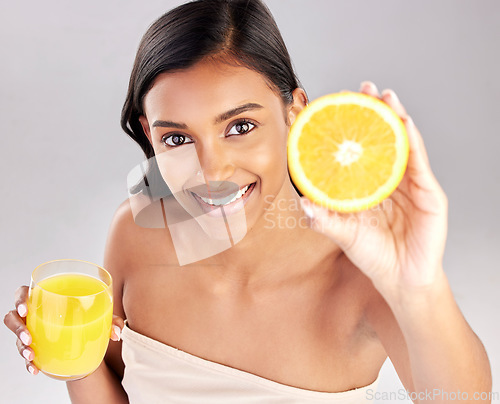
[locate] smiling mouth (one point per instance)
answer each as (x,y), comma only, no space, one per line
(233,197)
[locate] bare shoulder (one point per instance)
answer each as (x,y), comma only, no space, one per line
(121,233)
(119,251)
(132,243)
(119,239)
(137,236)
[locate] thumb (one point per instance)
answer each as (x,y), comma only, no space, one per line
(339,227)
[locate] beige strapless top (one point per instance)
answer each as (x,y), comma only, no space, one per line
(158,373)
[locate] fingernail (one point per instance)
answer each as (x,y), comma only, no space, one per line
(117,330)
(364,83)
(27,354)
(369,84)
(24,338)
(306,207)
(31,369)
(393,95)
(22,310)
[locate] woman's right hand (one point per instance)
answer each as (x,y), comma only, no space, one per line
(15,320)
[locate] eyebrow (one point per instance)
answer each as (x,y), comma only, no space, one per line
(236,111)
(220,118)
(169,124)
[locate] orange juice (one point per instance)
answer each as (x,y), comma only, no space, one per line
(69,318)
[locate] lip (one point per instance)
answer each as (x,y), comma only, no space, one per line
(230,208)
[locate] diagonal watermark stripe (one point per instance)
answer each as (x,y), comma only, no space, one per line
(162,200)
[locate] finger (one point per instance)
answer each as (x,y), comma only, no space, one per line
(25,351)
(117,327)
(369,88)
(419,169)
(335,225)
(30,367)
(21,299)
(418,153)
(391,99)
(16,324)
(414,136)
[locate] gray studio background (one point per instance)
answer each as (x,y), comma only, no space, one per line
(64,70)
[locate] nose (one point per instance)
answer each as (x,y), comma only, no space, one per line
(215,161)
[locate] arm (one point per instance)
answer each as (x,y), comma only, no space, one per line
(104,381)
(445,354)
(433,349)
(103,385)
(417,320)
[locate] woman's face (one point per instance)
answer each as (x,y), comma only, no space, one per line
(219,134)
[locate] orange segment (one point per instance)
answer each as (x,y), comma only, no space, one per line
(347,151)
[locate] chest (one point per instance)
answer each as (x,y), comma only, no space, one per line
(303,335)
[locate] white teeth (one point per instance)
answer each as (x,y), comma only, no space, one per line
(226,200)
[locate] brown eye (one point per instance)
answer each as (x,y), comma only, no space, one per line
(241,128)
(176,140)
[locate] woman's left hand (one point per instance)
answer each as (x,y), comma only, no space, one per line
(400,244)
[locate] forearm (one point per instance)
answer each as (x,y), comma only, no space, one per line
(446,356)
(101,387)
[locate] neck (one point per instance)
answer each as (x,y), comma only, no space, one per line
(264,255)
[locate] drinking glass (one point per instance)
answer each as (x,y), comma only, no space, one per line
(70,310)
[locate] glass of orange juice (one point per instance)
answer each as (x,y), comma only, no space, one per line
(70,309)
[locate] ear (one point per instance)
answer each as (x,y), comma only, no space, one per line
(297,105)
(145,127)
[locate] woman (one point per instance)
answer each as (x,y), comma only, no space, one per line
(281,314)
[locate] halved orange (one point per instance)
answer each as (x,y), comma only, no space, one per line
(347,151)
